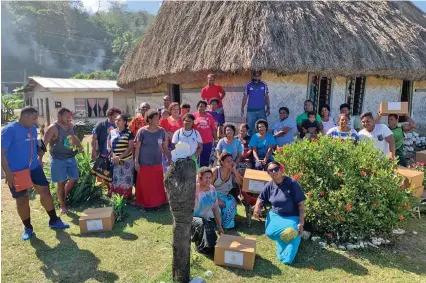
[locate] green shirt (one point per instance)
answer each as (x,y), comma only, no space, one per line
(302,117)
(398,135)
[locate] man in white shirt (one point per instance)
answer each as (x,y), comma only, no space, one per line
(380,133)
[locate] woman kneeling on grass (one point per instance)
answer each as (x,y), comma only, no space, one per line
(284,222)
(224,177)
(203,229)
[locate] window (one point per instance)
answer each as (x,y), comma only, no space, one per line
(319,90)
(91,107)
(355,87)
(406,96)
(42,108)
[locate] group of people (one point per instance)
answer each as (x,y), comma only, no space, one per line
(140,151)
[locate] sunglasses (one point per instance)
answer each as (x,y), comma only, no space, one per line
(274,170)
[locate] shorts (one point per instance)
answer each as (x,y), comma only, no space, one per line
(63,169)
(221,119)
(38,178)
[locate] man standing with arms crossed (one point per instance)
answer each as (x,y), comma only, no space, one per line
(19,152)
(257,94)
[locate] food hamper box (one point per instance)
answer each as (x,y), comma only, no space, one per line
(235,251)
(399,108)
(255,180)
(97,220)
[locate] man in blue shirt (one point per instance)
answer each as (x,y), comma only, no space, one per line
(100,133)
(19,152)
(285,129)
(257,94)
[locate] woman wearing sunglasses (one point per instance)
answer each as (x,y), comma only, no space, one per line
(284,222)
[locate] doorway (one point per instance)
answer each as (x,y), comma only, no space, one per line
(175,93)
(406,96)
(47,112)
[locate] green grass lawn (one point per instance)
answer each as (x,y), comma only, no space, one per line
(140,250)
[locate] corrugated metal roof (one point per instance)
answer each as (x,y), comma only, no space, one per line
(72,85)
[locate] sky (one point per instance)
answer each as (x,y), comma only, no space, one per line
(153,6)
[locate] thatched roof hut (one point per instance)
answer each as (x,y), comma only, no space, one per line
(335,38)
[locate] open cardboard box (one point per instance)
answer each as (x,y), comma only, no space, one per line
(399,108)
(413,178)
(97,220)
(235,251)
(255,180)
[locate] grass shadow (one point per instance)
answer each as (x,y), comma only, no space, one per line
(68,263)
(262,268)
(312,256)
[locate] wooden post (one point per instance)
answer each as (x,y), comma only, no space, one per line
(180,182)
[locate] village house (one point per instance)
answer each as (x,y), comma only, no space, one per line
(87,99)
(332,52)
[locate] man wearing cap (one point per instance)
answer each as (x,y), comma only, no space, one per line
(139,122)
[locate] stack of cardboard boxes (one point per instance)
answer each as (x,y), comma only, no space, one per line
(413,179)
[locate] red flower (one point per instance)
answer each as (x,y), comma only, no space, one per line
(309,194)
(330,235)
(373,172)
(402,185)
(296,177)
(322,194)
(342,218)
(310,267)
(331,217)
(279,147)
(281,167)
(363,173)
(348,207)
(375,203)
(340,174)
(401,218)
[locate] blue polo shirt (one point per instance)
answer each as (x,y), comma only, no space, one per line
(256,95)
(15,138)
(289,137)
(284,197)
(262,145)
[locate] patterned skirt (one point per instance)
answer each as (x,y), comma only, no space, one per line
(122,179)
(228,212)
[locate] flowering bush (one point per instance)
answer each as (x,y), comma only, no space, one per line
(352,193)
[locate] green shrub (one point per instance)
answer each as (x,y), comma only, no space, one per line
(85,189)
(118,203)
(352,193)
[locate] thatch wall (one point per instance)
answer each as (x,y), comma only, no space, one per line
(190,39)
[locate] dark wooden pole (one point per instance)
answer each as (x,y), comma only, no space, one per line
(180,185)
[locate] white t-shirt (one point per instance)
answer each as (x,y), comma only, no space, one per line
(328,125)
(192,138)
(379,134)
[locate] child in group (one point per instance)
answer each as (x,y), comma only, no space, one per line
(311,127)
(219,118)
(185,108)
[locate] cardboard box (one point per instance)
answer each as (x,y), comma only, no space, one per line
(399,108)
(421,156)
(418,192)
(235,251)
(97,220)
(413,178)
(255,180)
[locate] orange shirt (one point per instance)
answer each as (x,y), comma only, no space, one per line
(137,123)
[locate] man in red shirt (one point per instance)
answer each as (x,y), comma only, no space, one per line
(213,90)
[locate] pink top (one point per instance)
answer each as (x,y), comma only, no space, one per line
(205,125)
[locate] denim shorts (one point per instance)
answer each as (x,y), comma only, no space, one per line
(38,178)
(63,169)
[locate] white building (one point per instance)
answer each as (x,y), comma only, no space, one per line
(87,99)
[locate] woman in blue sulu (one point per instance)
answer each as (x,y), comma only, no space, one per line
(284,222)
(263,144)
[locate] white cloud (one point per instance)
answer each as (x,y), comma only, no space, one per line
(94,6)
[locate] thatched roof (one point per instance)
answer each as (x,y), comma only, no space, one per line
(190,39)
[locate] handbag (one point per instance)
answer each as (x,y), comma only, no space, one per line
(103,168)
(22,179)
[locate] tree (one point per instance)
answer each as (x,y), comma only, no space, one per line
(98,75)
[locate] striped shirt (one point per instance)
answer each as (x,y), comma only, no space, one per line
(335,133)
(120,142)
